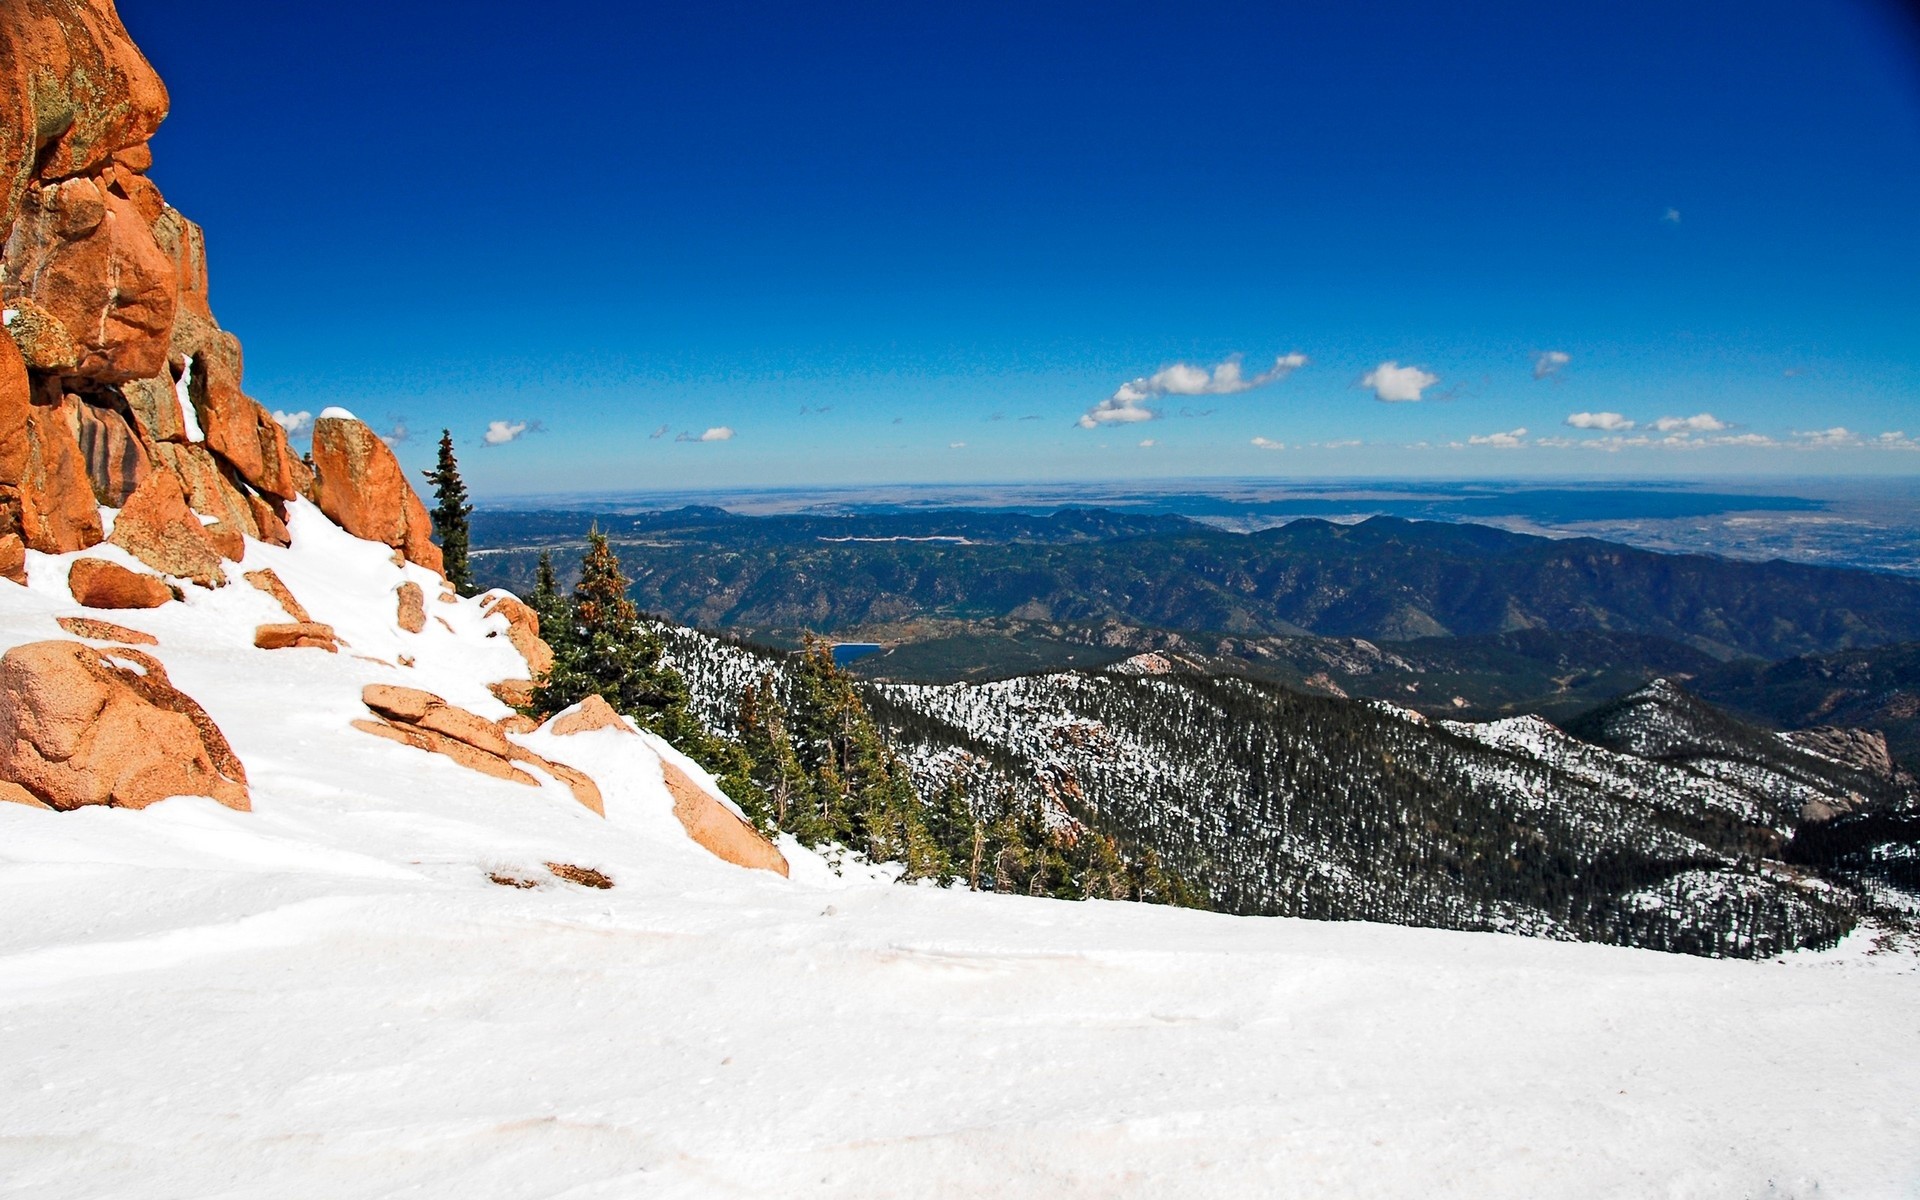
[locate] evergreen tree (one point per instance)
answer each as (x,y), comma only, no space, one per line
(556,615)
(450,513)
(602,647)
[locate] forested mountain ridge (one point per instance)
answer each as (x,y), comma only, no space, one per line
(1382,579)
(1272,802)
(1874,688)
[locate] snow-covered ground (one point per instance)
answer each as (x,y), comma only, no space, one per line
(328,997)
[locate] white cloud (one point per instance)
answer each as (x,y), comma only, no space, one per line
(1698,423)
(1608,422)
(956,445)
(1269,444)
(1896,440)
(499,433)
(1114,411)
(1547,362)
(719,433)
(1146,442)
(1671,216)
(293,422)
(1129,402)
(1396,384)
(1342,444)
(1500,441)
(1838,436)
(1742,439)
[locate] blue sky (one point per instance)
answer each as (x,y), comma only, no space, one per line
(895,243)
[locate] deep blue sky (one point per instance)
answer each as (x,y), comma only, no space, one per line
(935,220)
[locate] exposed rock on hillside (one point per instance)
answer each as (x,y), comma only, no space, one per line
(709,823)
(358,482)
(411,608)
(426,722)
(115,369)
(97,583)
(80,727)
(297,635)
(156,527)
(589,715)
(105,631)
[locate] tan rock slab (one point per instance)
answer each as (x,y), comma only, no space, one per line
(523,630)
(590,714)
(514,693)
(13,793)
(271,584)
(412,602)
(105,631)
(714,825)
(97,583)
(427,722)
(297,635)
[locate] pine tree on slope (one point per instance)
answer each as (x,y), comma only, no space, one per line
(601,647)
(450,513)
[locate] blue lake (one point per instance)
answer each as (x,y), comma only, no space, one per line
(846,652)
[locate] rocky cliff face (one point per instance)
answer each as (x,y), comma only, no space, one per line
(115,368)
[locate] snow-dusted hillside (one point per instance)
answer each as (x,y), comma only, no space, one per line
(1280,804)
(329,995)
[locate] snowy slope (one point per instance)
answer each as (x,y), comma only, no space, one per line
(328,997)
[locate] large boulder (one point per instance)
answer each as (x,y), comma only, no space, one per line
(157,527)
(81,727)
(523,630)
(358,482)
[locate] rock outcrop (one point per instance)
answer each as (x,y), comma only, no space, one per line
(97,583)
(358,482)
(587,716)
(114,369)
(523,630)
(157,527)
(426,722)
(297,635)
(270,583)
(411,607)
(707,821)
(79,726)
(714,825)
